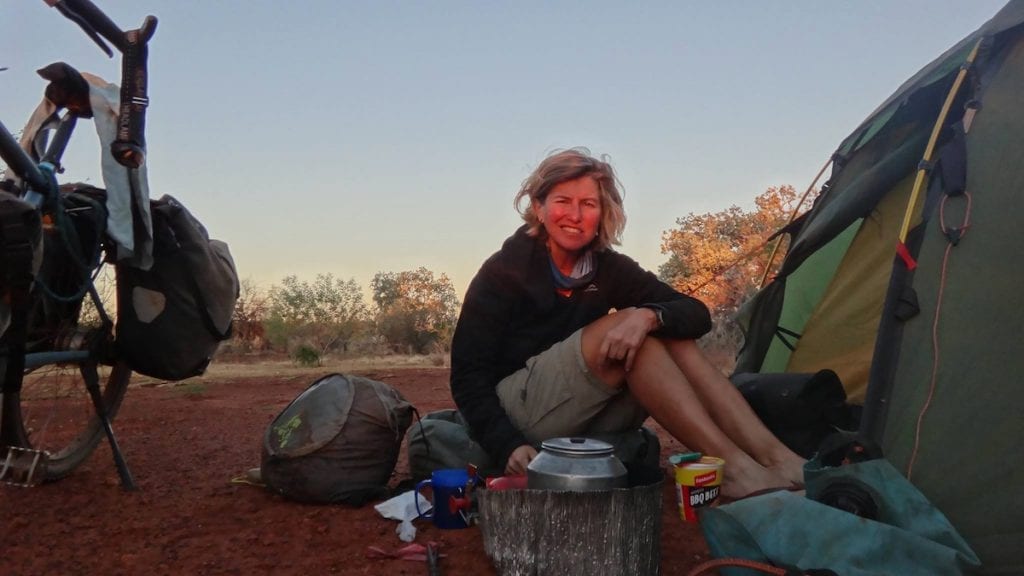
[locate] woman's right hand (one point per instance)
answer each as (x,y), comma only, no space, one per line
(622,341)
(520,459)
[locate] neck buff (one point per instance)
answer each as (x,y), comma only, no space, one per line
(582,273)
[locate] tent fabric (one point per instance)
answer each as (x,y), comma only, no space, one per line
(864,180)
(975,410)
(1009,17)
(873,319)
(803,293)
(758,318)
(854,301)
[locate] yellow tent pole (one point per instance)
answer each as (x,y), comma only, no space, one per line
(792,216)
(922,171)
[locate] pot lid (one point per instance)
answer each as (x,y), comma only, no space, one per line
(576,446)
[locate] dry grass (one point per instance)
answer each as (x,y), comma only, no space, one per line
(256,366)
(253,367)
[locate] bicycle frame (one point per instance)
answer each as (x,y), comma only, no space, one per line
(20,163)
(36,184)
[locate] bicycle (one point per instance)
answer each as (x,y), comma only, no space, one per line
(61,381)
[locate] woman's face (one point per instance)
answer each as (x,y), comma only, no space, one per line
(571,215)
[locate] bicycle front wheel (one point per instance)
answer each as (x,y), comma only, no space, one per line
(54,412)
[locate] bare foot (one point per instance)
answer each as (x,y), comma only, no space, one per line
(791,468)
(742,479)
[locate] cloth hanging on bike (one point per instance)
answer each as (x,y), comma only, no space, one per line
(129,222)
(172,317)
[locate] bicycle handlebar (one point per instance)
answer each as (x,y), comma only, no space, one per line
(129,147)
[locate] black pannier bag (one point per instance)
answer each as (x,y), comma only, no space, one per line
(21,250)
(337,442)
(172,317)
(72,248)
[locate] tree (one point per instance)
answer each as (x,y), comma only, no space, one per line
(415,310)
(720,257)
(250,313)
(325,314)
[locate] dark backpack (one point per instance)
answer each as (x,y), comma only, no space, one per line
(172,317)
(337,442)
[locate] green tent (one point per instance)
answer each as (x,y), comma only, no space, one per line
(906,278)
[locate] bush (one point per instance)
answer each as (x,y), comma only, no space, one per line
(723,343)
(306,355)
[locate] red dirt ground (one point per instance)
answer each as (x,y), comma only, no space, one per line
(184,444)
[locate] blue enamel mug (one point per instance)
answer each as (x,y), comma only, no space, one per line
(448,490)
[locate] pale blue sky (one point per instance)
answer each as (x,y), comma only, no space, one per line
(358,137)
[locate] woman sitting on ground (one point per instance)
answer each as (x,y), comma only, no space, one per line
(560,335)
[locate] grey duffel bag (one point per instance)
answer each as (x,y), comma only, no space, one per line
(337,442)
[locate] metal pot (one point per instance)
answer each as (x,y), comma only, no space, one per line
(576,464)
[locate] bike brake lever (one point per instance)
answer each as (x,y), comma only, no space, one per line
(85,26)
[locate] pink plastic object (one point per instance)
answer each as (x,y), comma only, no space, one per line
(514,482)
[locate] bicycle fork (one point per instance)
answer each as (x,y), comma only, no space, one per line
(27,467)
(92,383)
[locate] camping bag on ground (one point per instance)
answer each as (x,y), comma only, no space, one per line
(172,317)
(441,439)
(874,522)
(337,442)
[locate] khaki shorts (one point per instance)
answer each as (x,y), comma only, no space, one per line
(556,395)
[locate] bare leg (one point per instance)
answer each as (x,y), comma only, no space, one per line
(661,387)
(732,413)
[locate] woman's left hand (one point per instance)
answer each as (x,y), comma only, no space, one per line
(622,341)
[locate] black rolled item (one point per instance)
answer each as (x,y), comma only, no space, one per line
(850,497)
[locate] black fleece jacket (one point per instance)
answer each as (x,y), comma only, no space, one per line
(512,312)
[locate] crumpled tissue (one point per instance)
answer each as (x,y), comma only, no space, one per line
(403,508)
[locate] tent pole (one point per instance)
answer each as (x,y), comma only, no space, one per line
(792,216)
(923,167)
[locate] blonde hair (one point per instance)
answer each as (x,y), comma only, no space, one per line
(563,166)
